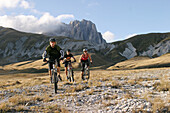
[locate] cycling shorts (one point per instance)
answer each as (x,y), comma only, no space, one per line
(50,64)
(66,63)
(83,62)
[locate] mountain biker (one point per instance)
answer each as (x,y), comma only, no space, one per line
(84,59)
(67,59)
(55,53)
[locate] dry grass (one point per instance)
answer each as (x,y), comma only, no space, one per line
(76,88)
(158,104)
(5,107)
(163,85)
(90,92)
(141,62)
(56,109)
(115,84)
(18,100)
(108,103)
(127,96)
(112,79)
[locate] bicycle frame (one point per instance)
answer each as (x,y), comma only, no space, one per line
(54,75)
(70,71)
(86,72)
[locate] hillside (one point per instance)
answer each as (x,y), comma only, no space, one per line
(40,66)
(149,45)
(144,62)
(16,46)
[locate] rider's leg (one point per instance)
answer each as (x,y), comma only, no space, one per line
(82,70)
(58,69)
(50,73)
(66,63)
(66,70)
(50,66)
(88,64)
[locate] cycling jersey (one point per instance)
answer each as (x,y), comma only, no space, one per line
(84,57)
(68,57)
(54,53)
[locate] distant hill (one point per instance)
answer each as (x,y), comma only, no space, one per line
(144,62)
(19,46)
(151,45)
(16,46)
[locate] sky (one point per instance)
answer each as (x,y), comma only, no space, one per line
(115,19)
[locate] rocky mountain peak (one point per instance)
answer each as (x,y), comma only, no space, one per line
(80,30)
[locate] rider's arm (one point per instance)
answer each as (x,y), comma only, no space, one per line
(44,56)
(62,53)
(80,58)
(74,58)
(90,58)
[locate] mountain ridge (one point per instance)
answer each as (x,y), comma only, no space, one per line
(79,30)
(16,46)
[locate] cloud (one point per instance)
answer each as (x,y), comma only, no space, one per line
(30,23)
(14,3)
(25,4)
(108,36)
(131,35)
(65,16)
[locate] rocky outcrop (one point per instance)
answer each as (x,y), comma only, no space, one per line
(153,51)
(129,52)
(79,30)
(157,50)
(150,45)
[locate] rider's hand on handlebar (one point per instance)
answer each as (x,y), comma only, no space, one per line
(91,62)
(44,60)
(61,58)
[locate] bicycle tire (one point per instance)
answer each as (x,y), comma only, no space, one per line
(52,73)
(88,75)
(68,71)
(72,75)
(55,82)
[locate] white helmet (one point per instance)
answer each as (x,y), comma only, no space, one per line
(84,50)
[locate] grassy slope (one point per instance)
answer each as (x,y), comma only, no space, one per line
(140,42)
(143,62)
(34,65)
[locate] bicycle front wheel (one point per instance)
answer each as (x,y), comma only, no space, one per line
(55,82)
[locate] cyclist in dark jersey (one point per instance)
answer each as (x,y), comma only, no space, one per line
(84,59)
(67,59)
(55,53)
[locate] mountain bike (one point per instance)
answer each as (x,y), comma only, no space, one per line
(55,78)
(86,74)
(70,72)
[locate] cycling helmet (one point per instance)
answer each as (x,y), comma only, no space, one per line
(52,39)
(84,50)
(68,50)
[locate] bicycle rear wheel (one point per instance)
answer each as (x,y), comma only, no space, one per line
(55,82)
(88,74)
(69,74)
(72,75)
